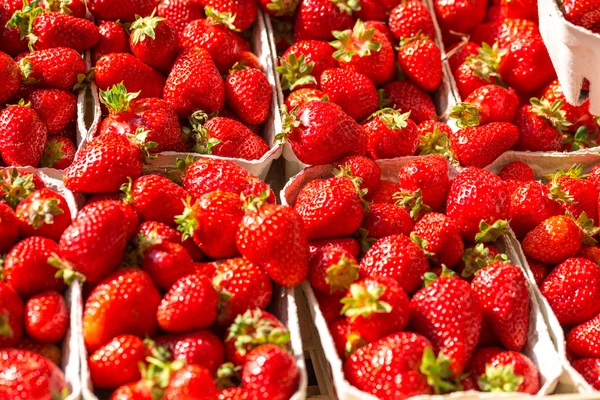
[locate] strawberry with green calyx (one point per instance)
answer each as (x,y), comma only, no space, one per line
(383,220)
(296,73)
(228,376)
(421,61)
(346,173)
(479,70)
(271,371)
(440,238)
(43,213)
(248,94)
(405,96)
(346,342)
(23,135)
(391,134)
(430,277)
(354,92)
(490,103)
(17,186)
(354,42)
(364,168)
(201,137)
(154,41)
(438,372)
(581,139)
(541,125)
(332,269)
(428,174)
(436,142)
(479,146)
(413,202)
(66,270)
(575,194)
(302,96)
(490,233)
(465,115)
(11,316)
(59,153)
(478,257)
(510,371)
(316,19)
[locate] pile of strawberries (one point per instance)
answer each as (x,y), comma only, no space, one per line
(34,317)
(583,13)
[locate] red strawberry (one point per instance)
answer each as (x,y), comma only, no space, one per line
(384,193)
(387,219)
(59,68)
(405,96)
(300,97)
(364,168)
(303,63)
(10,76)
(136,76)
(180,12)
(16,186)
(50,351)
(520,9)
(487,200)
(46,317)
(527,66)
(489,103)
(479,146)
(242,286)
(530,205)
(237,393)
(459,52)
(152,232)
(154,41)
(32,377)
(329,305)
(9,227)
(43,213)
(578,116)
(589,368)
(332,269)
(139,390)
(191,303)
(167,262)
(516,171)
(478,70)
(322,125)
(46,103)
(505,31)
(429,175)
(510,371)
(391,134)
(541,125)
(460,16)
(198,347)
(11,316)
(575,194)
(10,38)
(448,312)
(338,213)
(554,240)
(349,244)
(421,61)
(433,138)
(192,381)
(272,371)
(22,136)
(117,362)
(185,93)
(375,9)
(316,19)
(241,13)
(594,176)
(124,11)
(353,92)
(583,341)
(441,238)
(584,14)
(346,342)
(411,18)
(396,257)
(249,94)
(130,220)
(123,303)
(591,253)
(113,39)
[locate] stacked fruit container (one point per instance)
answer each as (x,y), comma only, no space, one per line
(186,183)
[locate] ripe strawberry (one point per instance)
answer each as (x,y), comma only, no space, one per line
(43,213)
(591,253)
(352,91)
(448,313)
(241,14)
(421,61)
(526,9)
(272,371)
(9,227)
(505,31)
(338,213)
(510,371)
(541,125)
(411,18)
(10,76)
(488,200)
(348,244)
(391,134)
(242,285)
(396,257)
(154,41)
(11,41)
(384,193)
(191,303)
(249,94)
(441,238)
(405,96)
(578,116)
(46,104)
(364,168)
(166,262)
(124,11)
(583,341)
(387,219)
(366,51)
(332,269)
(187,94)
(303,63)
(46,317)
(300,97)
(198,347)
(113,39)
(152,231)
(238,393)
(589,368)
(489,103)
(11,316)
(585,14)
(50,351)
(322,125)
(479,146)
(117,362)
(130,220)
(346,342)
(397,376)
(123,303)
(330,305)
(594,176)
(22,136)
(554,240)
(459,52)
(58,68)
(530,205)
(375,9)
(192,381)
(516,171)
(316,19)
(32,376)
(433,138)
(478,70)
(575,194)
(460,16)
(429,175)
(16,186)
(180,12)
(139,390)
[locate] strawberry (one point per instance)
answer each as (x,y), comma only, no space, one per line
(166,263)
(16,185)
(395,377)
(348,244)
(411,18)
(10,76)
(589,368)
(139,390)
(124,11)
(252,329)
(554,240)
(487,200)
(154,41)
(447,311)
(582,339)
(386,219)
(11,316)
(130,220)
(530,205)
(364,168)
(540,270)
(45,102)
(405,96)
(575,194)
(320,125)
(46,317)
(22,136)
(9,227)
(330,305)
(352,91)
(508,315)
(591,253)
(433,138)
(332,269)
(197,347)
(242,285)
(338,213)
(479,70)
(578,116)
(459,52)
(58,68)
(116,362)
(191,303)
(316,19)
(375,307)
(571,289)
(396,257)
(11,41)
(541,125)
(510,371)
(390,134)
(113,39)
(180,13)
(303,63)
(366,51)
(441,238)
(384,193)
(32,376)
(241,13)
(479,146)
(516,171)
(185,93)
(252,110)
(75,8)
(346,342)
(274,237)
(43,213)
(582,13)
(526,9)
(594,176)
(421,61)
(375,9)
(429,175)
(272,371)
(136,76)
(152,232)
(489,103)
(192,381)
(460,16)
(123,303)
(300,97)
(50,351)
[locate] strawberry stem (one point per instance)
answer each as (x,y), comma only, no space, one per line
(144,27)
(465,114)
(117,99)
(356,41)
(501,378)
(364,301)
(187,222)
(438,371)
(295,71)
(342,274)
(490,233)
(250,330)
(66,270)
(413,202)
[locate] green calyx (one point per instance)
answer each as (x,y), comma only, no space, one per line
(176,175)
(250,330)
(576,171)
(384,102)
(477,258)
(364,302)
(430,277)
(143,27)
(203,143)
(221,18)
(501,378)
(26,68)
(485,63)
(354,342)
(283,7)
(5,328)
(465,115)
(23,20)
(228,376)
(66,270)
(53,153)
(346,172)
(436,142)
(16,187)
(159,371)
(117,99)
(587,227)
(413,202)
(139,139)
(125,188)
(582,139)
(347,6)
(254,203)
(351,42)
(490,233)
(553,113)
(43,211)
(61,6)
(362,235)
(341,275)
(407,40)
(295,71)
(187,222)
(290,122)
(558,194)
(392,118)
(438,371)
(84,81)
(422,243)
